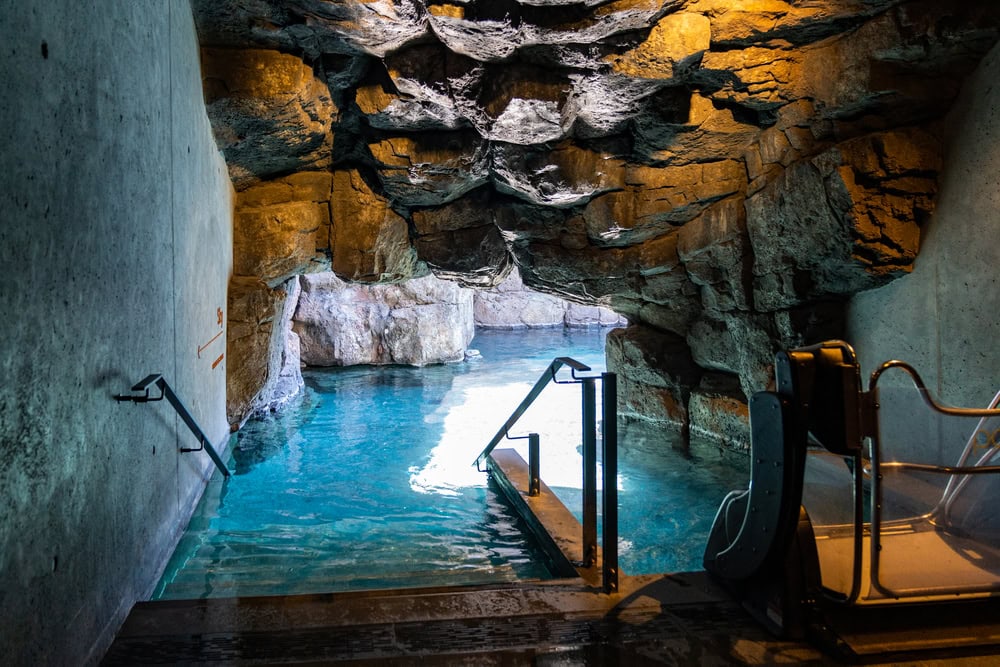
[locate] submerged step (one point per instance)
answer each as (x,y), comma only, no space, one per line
(206,583)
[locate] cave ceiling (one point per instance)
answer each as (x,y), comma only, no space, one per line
(721,170)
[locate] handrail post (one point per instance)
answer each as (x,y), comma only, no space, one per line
(548,376)
(589,472)
(534,481)
(609,499)
(609,455)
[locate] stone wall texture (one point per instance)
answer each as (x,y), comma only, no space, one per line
(942,317)
(725,175)
(327,321)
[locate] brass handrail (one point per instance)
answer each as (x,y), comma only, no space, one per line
(157,380)
(878,465)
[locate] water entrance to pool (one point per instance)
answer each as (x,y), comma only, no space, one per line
(367,481)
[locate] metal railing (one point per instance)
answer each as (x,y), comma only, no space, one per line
(959,475)
(156,379)
(609,507)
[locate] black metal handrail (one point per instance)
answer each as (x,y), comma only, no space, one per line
(549,375)
(156,379)
(609,537)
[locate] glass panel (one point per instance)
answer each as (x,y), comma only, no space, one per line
(939,531)
(970,502)
(828,498)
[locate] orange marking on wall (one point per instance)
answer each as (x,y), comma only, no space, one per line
(214,338)
(218,361)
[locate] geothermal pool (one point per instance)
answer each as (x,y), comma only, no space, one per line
(367,481)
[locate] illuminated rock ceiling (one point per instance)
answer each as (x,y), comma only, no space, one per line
(723,172)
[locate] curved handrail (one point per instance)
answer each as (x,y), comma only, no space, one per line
(925,394)
(979,468)
(549,375)
(877,465)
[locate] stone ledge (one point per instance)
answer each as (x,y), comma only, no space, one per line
(550,522)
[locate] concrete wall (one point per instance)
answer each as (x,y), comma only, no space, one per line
(115,251)
(943,318)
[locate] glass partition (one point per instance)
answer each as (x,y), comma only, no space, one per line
(935,527)
(828,496)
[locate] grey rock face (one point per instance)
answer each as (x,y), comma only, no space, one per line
(718,410)
(511,305)
(422,321)
(655,374)
(289,382)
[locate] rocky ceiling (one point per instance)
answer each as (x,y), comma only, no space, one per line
(723,172)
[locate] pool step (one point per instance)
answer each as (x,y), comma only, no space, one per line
(680,619)
(299,557)
(265,566)
(318,571)
(288,563)
(279,575)
(199,584)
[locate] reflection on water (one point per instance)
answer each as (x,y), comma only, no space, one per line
(668,499)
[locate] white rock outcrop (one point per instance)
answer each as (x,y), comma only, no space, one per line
(417,322)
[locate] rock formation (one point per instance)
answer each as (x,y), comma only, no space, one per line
(327,321)
(511,305)
(724,174)
(260,336)
(417,322)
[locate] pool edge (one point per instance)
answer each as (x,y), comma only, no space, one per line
(552,525)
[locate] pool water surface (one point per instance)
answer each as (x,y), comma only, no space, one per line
(366,481)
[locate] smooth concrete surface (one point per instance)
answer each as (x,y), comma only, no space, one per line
(115,252)
(943,317)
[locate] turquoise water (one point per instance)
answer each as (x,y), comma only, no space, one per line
(367,481)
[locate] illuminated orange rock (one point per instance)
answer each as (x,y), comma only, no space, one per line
(270,113)
(702,166)
(253,345)
(674,41)
(282,228)
(370,242)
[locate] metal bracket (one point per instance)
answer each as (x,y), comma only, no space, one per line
(574,366)
(143,386)
(182,411)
